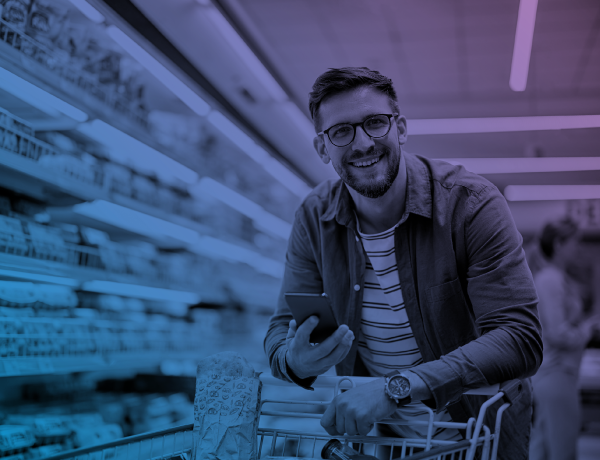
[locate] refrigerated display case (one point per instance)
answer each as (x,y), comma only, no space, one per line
(106,243)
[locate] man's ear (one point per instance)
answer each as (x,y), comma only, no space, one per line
(321,149)
(402,129)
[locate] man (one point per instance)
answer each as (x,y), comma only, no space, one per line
(421,262)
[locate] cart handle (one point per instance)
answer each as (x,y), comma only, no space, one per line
(333,381)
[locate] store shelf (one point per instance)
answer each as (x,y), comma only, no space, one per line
(17,267)
(39,64)
(26,176)
(14,367)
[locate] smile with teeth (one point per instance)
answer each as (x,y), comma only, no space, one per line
(365,163)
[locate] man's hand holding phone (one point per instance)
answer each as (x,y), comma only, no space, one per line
(308,360)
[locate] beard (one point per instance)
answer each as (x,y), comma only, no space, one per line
(371,187)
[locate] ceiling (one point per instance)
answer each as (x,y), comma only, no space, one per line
(448,59)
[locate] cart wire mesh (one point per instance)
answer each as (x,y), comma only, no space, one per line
(177,442)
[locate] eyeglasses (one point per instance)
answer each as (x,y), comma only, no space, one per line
(375,126)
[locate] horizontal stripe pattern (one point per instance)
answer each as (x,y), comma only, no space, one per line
(386,341)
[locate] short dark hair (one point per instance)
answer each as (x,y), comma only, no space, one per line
(336,81)
(560,230)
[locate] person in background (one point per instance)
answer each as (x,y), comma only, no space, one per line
(566,332)
(424,269)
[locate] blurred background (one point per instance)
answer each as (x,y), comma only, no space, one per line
(153,153)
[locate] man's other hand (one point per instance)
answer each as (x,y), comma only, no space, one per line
(356,411)
(308,360)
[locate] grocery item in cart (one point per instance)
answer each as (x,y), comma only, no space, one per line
(226,408)
(335,450)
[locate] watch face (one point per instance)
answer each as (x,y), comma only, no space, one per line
(399,386)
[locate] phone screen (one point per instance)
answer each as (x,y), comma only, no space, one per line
(304,305)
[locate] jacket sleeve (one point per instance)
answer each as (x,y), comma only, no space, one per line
(504,301)
(301,274)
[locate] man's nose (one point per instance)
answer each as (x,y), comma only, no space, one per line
(362,141)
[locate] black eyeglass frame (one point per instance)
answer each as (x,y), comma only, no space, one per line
(354,125)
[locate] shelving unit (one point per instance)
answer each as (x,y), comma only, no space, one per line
(142,294)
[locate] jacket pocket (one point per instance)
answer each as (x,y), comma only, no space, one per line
(449,315)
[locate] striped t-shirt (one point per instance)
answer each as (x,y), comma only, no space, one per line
(386,341)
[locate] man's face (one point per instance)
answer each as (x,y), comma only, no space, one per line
(367,165)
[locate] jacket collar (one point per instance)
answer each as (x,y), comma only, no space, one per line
(418,194)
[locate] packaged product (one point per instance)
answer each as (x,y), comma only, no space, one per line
(45,20)
(18,294)
(8,137)
(226,408)
(141,258)
(12,238)
(15,13)
(85,435)
(14,437)
(44,451)
(70,166)
(48,244)
(47,429)
(144,189)
(113,257)
(117,178)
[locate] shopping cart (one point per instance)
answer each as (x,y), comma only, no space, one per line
(176,443)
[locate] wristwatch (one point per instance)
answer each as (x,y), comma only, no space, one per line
(397,387)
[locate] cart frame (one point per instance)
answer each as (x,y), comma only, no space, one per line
(177,441)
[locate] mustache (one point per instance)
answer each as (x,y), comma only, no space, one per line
(356,156)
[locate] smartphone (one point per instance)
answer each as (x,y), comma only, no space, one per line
(305,305)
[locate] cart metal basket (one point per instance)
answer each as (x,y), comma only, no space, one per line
(274,443)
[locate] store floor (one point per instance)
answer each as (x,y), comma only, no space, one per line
(589,447)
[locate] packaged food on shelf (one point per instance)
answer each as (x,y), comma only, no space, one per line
(8,120)
(53,295)
(87,434)
(144,189)
(118,178)
(47,429)
(48,244)
(15,14)
(140,259)
(18,294)
(131,83)
(40,339)
(21,312)
(43,451)
(113,257)
(12,237)
(72,167)
(14,438)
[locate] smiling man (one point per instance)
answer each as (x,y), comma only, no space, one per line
(424,270)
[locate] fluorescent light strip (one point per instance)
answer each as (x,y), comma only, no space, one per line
(523,40)
(37,97)
(123,147)
(551,192)
(89,11)
(258,154)
(140,292)
(160,72)
(39,277)
(243,205)
(501,124)
(526,165)
(245,54)
(135,221)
